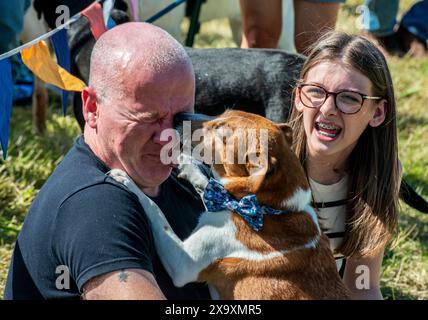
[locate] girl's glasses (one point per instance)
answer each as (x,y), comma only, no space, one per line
(348,102)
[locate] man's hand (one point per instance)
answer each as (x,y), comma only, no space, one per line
(127,284)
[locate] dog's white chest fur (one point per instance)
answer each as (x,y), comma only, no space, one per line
(214,237)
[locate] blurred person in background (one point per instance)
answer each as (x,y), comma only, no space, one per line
(262,22)
(409,36)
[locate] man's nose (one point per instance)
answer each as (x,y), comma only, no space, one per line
(329,107)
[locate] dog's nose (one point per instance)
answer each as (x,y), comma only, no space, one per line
(195,118)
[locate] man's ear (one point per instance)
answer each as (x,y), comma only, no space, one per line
(299,106)
(90,107)
(380,114)
(287,132)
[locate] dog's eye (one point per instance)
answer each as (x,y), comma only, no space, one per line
(271,170)
(272,166)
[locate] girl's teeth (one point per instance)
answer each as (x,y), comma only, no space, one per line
(330,135)
(327,126)
(327,130)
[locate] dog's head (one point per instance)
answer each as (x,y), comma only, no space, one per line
(250,154)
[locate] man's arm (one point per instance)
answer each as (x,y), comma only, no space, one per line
(127,284)
(100,232)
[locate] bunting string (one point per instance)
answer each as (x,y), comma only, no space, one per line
(45,36)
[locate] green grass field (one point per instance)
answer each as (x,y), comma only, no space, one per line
(32,158)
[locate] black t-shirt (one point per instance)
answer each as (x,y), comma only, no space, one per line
(85,223)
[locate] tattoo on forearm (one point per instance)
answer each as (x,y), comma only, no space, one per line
(123,276)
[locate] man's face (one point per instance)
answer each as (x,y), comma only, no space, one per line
(130,126)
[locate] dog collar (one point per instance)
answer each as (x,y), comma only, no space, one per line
(217,198)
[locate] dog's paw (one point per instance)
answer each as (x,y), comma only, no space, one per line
(186,167)
(185,171)
(123,178)
(184,160)
(189,170)
(119,175)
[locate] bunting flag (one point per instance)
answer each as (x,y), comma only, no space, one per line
(6,93)
(38,59)
(110,23)
(94,13)
(135,10)
(62,52)
(107,7)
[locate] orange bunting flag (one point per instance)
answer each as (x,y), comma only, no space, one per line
(38,59)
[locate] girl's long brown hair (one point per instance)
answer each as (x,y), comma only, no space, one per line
(373,166)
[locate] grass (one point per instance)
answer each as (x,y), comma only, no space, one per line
(30,161)
(32,158)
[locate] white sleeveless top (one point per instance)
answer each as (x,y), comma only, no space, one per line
(332,218)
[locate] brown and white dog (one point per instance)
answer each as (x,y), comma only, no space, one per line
(288,258)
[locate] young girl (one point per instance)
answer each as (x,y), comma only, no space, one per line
(345,134)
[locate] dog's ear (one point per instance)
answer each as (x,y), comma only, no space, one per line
(287,132)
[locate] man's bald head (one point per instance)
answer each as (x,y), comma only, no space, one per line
(129,48)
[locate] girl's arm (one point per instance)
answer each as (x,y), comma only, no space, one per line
(362,277)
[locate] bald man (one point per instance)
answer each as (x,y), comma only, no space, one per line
(85,235)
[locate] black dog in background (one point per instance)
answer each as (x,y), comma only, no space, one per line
(253,80)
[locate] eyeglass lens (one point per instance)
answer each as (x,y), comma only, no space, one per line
(346,101)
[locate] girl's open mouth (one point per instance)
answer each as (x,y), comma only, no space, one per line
(327,131)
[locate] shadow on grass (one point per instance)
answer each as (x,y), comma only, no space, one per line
(417,184)
(390,293)
(406,122)
(7,239)
(420,233)
(420,186)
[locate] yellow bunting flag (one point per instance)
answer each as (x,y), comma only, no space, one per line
(38,59)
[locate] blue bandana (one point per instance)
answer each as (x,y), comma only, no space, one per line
(217,198)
